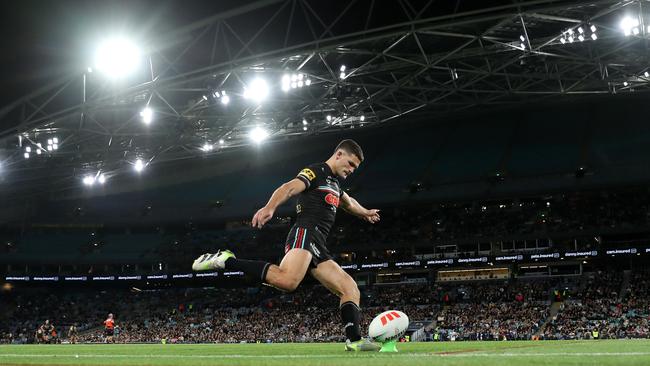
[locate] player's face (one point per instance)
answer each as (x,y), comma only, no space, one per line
(346,163)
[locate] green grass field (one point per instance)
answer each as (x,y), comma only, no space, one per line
(602,352)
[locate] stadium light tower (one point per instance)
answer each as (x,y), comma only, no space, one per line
(117,57)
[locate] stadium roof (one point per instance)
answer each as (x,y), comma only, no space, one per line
(326,66)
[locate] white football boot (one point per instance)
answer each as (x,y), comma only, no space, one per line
(210,261)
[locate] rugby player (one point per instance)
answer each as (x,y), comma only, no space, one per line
(319,196)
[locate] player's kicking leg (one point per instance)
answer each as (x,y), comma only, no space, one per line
(332,276)
(287,276)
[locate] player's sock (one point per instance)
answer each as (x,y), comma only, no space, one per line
(351,317)
(256,269)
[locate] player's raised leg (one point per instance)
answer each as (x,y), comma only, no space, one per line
(332,276)
(287,276)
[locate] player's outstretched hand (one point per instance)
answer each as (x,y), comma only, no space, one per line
(372,216)
(262,216)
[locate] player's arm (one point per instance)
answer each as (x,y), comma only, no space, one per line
(353,207)
(279,196)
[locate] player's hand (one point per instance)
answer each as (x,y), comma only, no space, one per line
(262,216)
(372,216)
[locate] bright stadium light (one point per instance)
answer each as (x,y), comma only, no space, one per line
(225,99)
(629,26)
(101,179)
(258,134)
(138,166)
(257,90)
(304,122)
(362,118)
(147,115)
(89,180)
(206,147)
(329,118)
(26,155)
(117,57)
(28,149)
(221,142)
(286,82)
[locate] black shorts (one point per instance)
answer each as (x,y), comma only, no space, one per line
(109,332)
(309,238)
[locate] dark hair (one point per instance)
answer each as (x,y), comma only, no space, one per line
(351,147)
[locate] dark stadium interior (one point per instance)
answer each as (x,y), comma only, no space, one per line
(508,212)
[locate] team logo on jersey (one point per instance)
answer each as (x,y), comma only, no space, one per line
(332,199)
(308,173)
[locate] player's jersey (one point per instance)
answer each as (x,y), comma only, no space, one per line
(47,328)
(317,204)
(109,323)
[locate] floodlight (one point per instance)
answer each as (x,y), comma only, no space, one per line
(342,68)
(362,118)
(594,36)
(138,166)
(206,147)
(304,128)
(522,38)
(28,149)
(304,122)
(147,115)
(258,134)
(581,38)
(38,151)
(225,100)
(629,25)
(55,146)
(26,155)
(286,82)
(101,179)
(580,30)
(308,82)
(257,90)
(221,142)
(89,180)
(593,28)
(117,57)
(563,40)
(342,75)
(329,118)
(50,141)
(646,74)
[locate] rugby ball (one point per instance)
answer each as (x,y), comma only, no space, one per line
(388,325)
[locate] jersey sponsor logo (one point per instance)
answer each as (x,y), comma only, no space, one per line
(332,199)
(314,249)
(308,173)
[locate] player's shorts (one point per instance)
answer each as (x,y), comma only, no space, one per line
(109,332)
(309,238)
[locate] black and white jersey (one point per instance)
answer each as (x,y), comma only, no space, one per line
(316,206)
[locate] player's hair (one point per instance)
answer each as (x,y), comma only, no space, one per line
(351,147)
